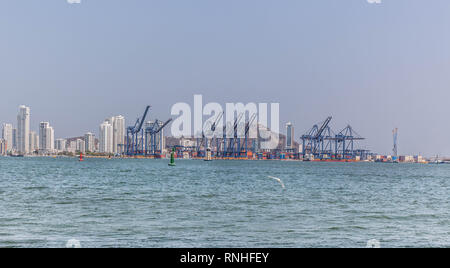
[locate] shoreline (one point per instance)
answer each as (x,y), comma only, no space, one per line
(226,159)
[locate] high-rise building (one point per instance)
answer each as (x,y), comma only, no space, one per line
(14,139)
(89,140)
(23,130)
(106,137)
(81,146)
(61,145)
(34,142)
(46,138)
(289,137)
(7,135)
(3,147)
(72,146)
(118,134)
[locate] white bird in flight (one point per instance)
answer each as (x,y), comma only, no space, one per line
(278,180)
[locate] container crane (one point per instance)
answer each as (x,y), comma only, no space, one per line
(151,147)
(246,134)
(233,145)
(204,139)
(345,142)
(313,141)
(213,130)
(135,144)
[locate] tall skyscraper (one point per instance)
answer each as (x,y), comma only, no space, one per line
(34,141)
(7,135)
(118,134)
(14,139)
(289,137)
(89,140)
(3,147)
(23,130)
(61,145)
(106,138)
(72,146)
(81,146)
(46,138)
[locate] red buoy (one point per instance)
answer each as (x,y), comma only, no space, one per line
(81,157)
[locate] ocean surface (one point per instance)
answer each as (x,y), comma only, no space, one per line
(45,202)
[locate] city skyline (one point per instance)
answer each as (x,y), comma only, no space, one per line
(21,138)
(86,62)
(111,137)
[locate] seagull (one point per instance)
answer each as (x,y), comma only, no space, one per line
(278,180)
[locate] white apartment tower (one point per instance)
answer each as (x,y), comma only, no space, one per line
(23,130)
(34,141)
(289,137)
(3,147)
(106,138)
(72,147)
(7,136)
(89,140)
(81,146)
(46,138)
(14,139)
(118,134)
(61,145)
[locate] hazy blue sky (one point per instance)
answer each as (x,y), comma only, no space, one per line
(375,66)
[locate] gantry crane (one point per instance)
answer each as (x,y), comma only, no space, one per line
(213,130)
(243,148)
(204,142)
(314,140)
(135,136)
(234,143)
(151,141)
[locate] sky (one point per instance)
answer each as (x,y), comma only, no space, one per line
(373,66)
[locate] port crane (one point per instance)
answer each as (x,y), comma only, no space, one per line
(151,141)
(322,143)
(199,144)
(135,136)
(233,145)
(248,124)
(204,139)
(213,130)
(344,146)
(314,140)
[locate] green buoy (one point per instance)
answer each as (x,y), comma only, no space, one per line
(172,158)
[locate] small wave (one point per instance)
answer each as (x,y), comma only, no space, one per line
(382,217)
(36,188)
(208,195)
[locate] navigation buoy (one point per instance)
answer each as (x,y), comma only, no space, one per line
(172,158)
(81,157)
